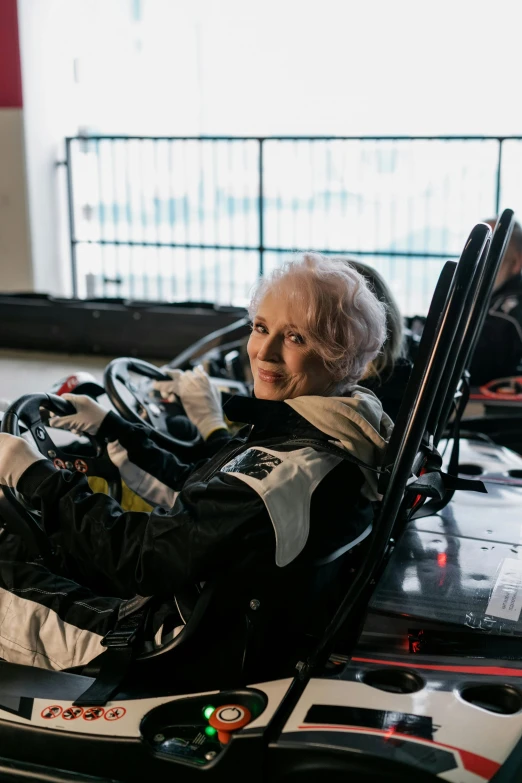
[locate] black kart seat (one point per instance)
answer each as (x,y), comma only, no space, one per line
(272,621)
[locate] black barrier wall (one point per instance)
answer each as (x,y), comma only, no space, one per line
(39,322)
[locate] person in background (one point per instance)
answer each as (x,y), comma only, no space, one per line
(387,375)
(499,348)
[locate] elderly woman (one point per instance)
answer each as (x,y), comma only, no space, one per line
(275,495)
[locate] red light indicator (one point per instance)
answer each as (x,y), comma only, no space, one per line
(442,559)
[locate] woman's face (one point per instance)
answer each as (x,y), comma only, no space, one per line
(282,364)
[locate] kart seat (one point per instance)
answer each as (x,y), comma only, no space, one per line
(270,623)
(247,627)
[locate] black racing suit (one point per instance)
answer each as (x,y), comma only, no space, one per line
(217,523)
(499,349)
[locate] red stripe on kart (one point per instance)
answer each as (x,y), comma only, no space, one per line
(496,397)
(472,762)
(493,671)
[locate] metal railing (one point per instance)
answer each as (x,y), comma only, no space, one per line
(200,218)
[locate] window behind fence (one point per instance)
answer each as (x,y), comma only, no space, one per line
(199,219)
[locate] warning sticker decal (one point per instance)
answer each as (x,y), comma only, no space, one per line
(506,597)
(115,713)
(93,713)
(72,713)
(54,711)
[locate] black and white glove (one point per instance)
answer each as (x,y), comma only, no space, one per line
(199,397)
(87,419)
(16,455)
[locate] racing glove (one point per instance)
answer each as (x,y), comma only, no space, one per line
(87,419)
(200,399)
(169,390)
(16,455)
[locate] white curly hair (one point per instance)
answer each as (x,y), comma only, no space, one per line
(345,322)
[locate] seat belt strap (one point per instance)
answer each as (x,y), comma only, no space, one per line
(120,642)
(436,484)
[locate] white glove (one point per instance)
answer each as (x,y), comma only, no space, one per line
(16,455)
(87,419)
(169,390)
(202,401)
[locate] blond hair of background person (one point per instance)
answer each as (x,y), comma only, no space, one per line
(387,375)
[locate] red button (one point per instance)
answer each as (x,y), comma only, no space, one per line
(229,718)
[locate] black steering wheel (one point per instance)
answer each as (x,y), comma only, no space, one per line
(17,516)
(27,410)
(156,413)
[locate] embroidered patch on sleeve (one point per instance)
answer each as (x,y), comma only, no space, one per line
(253,462)
(285,482)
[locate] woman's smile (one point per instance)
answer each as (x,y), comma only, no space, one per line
(269,376)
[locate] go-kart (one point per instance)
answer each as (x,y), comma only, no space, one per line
(414,675)
(495,411)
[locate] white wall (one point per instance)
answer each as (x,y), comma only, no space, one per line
(45,78)
(226,66)
(56,36)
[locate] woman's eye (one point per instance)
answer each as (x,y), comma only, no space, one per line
(261,328)
(296,339)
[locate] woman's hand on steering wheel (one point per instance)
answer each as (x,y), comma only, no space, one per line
(87,419)
(28,410)
(145,408)
(199,397)
(169,390)
(16,455)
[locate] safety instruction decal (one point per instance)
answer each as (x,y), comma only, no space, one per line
(115,713)
(506,597)
(52,712)
(72,713)
(93,713)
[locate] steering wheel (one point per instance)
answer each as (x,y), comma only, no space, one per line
(18,517)
(156,412)
(26,410)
